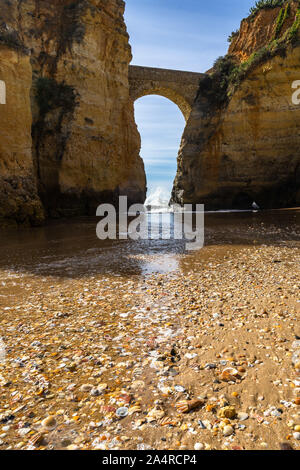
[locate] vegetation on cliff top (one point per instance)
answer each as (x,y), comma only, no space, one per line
(228,73)
(265,4)
(233,35)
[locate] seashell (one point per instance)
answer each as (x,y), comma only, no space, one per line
(167,422)
(134,409)
(37,439)
(154,415)
(85,388)
(185,406)
(229,375)
(227,412)
(243,416)
(105,409)
(122,412)
(125,399)
(179,388)
(198,446)
(228,431)
(138,384)
(96,391)
(49,423)
(102,387)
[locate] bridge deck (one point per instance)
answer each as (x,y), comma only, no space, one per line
(166,75)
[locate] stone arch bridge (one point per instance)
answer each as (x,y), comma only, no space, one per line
(179,87)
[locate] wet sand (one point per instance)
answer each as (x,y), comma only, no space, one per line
(140,345)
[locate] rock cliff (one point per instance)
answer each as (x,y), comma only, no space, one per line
(85,144)
(242,140)
(19,201)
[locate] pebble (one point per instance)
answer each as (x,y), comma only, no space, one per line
(49,423)
(228,431)
(198,446)
(86,388)
(243,416)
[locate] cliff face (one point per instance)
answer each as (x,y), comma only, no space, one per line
(258,30)
(85,142)
(18,192)
(246,149)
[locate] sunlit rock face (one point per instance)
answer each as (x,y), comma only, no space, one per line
(247,150)
(19,201)
(85,147)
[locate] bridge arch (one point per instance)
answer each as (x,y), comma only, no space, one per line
(179,87)
(184,106)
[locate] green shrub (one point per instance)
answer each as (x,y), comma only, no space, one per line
(282,16)
(264,4)
(215,86)
(294,30)
(228,74)
(233,35)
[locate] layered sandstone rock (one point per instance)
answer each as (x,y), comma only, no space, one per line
(258,30)
(18,193)
(248,149)
(85,141)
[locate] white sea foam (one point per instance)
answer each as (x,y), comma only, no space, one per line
(158,200)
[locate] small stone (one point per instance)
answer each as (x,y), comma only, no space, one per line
(49,423)
(66,442)
(228,431)
(198,446)
(23,431)
(229,375)
(72,447)
(243,416)
(285,446)
(86,388)
(296,436)
(297,428)
(179,388)
(276,413)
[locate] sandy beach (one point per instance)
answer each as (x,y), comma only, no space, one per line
(143,346)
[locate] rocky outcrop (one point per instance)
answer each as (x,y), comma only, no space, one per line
(19,201)
(245,147)
(260,29)
(85,142)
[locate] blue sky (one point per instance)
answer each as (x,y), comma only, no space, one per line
(176,34)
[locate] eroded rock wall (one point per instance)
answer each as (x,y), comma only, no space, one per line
(249,149)
(19,201)
(85,141)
